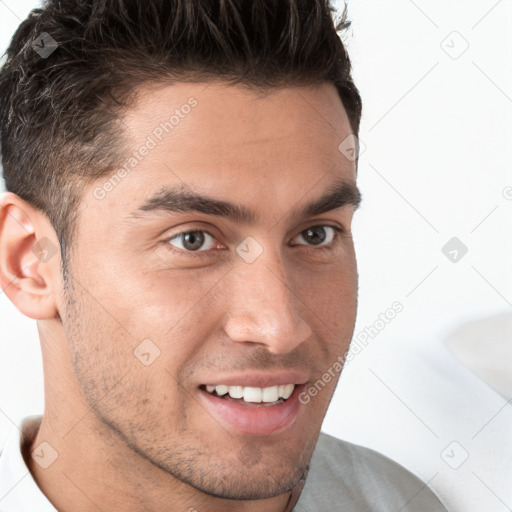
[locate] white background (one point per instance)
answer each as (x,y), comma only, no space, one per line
(437,160)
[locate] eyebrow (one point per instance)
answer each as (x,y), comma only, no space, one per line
(178,199)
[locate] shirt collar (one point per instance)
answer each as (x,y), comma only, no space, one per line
(18,490)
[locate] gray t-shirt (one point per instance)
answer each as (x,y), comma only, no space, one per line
(346,477)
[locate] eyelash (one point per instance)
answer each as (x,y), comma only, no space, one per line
(338,232)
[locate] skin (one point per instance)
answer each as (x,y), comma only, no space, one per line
(132,437)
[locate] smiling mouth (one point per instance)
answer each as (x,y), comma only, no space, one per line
(252,396)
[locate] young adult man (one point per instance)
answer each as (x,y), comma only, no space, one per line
(181,182)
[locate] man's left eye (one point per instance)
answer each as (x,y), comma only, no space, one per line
(320,235)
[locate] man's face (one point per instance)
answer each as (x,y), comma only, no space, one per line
(152,317)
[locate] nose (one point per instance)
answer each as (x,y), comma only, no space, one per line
(264,308)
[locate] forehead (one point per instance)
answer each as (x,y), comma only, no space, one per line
(215,118)
(228,142)
(226,102)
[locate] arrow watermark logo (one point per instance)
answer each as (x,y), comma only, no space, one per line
(44,45)
(44,249)
(455,455)
(454,45)
(146,352)
(454,249)
(352,147)
(44,454)
(249,250)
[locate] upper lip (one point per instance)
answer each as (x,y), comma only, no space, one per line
(258,379)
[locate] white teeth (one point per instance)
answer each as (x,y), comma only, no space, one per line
(270,394)
(236,391)
(253,394)
(286,391)
(221,390)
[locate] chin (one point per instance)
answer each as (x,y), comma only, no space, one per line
(251,484)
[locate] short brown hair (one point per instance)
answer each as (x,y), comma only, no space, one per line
(59,113)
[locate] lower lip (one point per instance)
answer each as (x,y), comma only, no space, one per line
(247,419)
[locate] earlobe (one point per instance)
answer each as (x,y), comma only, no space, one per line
(29,257)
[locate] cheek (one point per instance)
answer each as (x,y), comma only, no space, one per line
(124,375)
(154,304)
(173,308)
(99,348)
(331,294)
(331,306)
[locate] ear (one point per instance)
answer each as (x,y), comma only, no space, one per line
(29,258)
